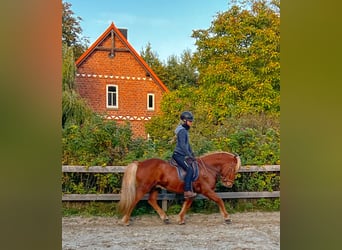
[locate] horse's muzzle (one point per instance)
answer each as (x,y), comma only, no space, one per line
(227,184)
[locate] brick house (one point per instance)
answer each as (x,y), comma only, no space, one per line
(117,82)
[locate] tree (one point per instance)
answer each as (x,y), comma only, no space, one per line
(176,72)
(72,31)
(240,52)
(74,108)
(181,72)
(152,59)
(236,99)
(68,68)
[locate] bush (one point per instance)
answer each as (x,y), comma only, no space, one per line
(97,142)
(255,147)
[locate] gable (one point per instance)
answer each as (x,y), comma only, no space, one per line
(114,44)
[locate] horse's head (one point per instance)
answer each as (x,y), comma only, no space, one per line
(224,164)
(229,170)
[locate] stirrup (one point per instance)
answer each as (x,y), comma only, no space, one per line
(189,194)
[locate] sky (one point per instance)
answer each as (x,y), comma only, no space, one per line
(166,24)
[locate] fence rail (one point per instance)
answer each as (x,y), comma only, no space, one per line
(164,196)
(121,169)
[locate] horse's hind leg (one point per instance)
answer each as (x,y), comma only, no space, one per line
(152,200)
(126,218)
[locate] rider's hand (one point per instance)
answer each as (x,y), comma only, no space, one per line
(189,160)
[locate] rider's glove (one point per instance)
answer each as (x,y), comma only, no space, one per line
(189,160)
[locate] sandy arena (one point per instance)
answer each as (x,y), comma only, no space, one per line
(252,230)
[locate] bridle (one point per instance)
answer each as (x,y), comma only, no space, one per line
(223,178)
(229,180)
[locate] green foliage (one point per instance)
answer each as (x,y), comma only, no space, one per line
(72,31)
(254,147)
(255,137)
(268,205)
(174,209)
(251,205)
(152,60)
(241,51)
(180,72)
(257,182)
(68,68)
(236,103)
(95,143)
(177,72)
(143,208)
(89,183)
(90,209)
(140,149)
(74,109)
(204,206)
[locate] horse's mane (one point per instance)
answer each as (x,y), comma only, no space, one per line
(217,152)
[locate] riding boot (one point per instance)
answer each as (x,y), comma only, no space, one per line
(189,194)
(188,184)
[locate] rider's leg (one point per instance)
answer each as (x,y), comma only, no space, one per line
(189,172)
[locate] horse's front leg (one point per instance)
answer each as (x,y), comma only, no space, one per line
(152,200)
(187,203)
(214,197)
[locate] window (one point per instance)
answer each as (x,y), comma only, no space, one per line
(112,96)
(150,101)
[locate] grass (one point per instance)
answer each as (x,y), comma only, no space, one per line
(109,209)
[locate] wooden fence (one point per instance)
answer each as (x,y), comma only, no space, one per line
(163,196)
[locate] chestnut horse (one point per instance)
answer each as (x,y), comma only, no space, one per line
(149,175)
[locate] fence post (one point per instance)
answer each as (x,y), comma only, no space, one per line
(164,200)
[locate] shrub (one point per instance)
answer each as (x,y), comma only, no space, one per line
(95,143)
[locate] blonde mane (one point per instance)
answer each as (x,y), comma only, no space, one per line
(216,152)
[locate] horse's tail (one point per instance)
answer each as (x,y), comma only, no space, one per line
(238,163)
(128,190)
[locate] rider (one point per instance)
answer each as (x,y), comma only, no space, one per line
(183,153)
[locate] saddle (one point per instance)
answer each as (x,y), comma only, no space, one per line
(181,172)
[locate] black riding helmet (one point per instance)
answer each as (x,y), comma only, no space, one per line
(186,116)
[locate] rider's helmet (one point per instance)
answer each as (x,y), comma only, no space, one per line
(186,116)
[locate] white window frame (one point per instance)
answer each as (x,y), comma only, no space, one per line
(116,96)
(151,108)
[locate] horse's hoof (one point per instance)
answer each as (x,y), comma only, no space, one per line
(228,221)
(124,224)
(166,221)
(181,223)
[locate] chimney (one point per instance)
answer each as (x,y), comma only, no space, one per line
(123,32)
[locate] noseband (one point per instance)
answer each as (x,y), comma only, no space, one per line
(225,179)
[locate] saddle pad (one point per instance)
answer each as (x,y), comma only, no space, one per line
(181,172)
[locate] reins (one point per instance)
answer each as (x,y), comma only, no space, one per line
(204,166)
